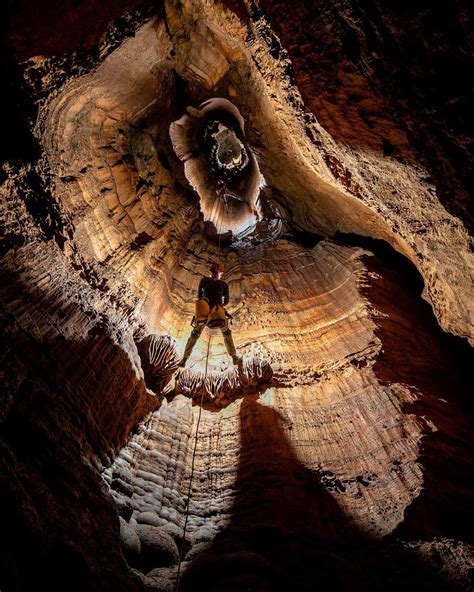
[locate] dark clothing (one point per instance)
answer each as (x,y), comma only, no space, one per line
(214,291)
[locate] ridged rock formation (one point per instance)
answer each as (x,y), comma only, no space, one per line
(211,143)
(332,449)
(221,388)
(339,453)
(160,359)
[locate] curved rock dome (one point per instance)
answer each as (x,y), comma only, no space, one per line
(320,155)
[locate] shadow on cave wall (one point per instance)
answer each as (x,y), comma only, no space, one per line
(436,366)
(288,533)
(59,528)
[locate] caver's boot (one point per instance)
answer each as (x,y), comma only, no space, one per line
(189,347)
(230,347)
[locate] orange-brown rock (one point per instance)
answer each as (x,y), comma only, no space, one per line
(339,453)
(220,388)
(160,359)
(211,143)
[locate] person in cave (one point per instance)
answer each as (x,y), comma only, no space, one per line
(221,189)
(224,194)
(215,293)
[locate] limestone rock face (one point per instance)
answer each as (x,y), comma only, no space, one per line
(386,84)
(160,359)
(220,388)
(339,452)
(219,164)
(131,542)
(157,547)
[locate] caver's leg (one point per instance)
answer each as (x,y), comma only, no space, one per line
(229,344)
(195,334)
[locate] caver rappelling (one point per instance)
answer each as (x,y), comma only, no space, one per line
(213,295)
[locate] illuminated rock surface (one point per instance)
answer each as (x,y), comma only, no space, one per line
(339,454)
(211,143)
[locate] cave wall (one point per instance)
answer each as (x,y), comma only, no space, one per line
(356,456)
(411,59)
(346,446)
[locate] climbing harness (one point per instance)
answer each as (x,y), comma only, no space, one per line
(203,313)
(192,466)
(216,317)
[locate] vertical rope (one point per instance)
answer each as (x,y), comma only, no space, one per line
(192,466)
(219,231)
(219,247)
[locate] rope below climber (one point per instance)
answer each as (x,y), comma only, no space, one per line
(213,295)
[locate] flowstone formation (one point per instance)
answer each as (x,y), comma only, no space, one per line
(338,454)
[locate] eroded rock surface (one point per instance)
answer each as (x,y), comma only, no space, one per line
(219,164)
(339,454)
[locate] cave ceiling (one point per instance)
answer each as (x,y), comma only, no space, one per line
(316,179)
(349,262)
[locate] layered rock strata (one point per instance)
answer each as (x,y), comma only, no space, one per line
(343,443)
(219,389)
(340,452)
(219,164)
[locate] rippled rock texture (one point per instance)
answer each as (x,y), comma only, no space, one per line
(339,453)
(219,164)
